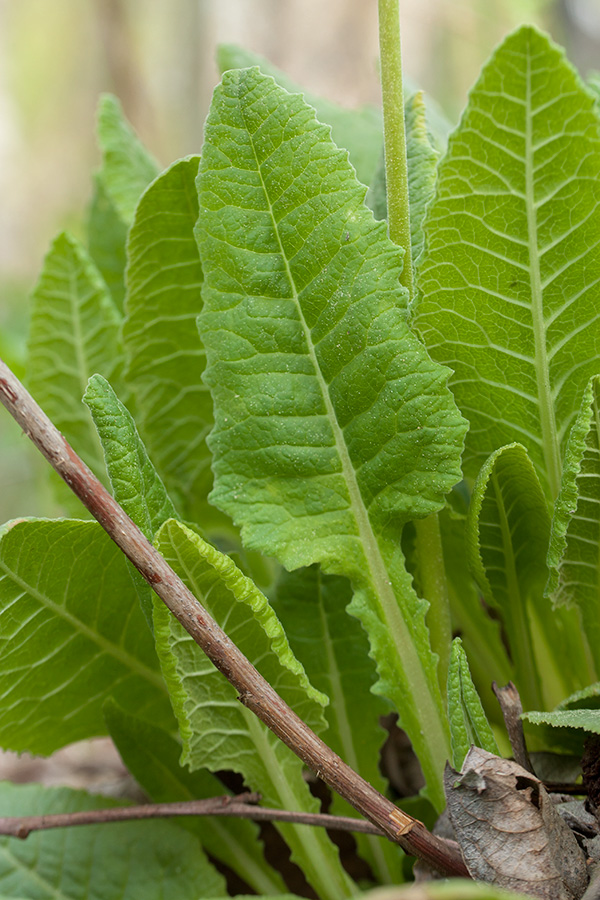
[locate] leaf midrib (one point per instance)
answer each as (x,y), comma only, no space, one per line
(549,435)
(113,650)
(381,583)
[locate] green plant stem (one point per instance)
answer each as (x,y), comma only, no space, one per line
(394,134)
(432,575)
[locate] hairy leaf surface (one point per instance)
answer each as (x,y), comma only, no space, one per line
(510,277)
(360,131)
(468,722)
(74,333)
(152,757)
(334,651)
(217,731)
(573,555)
(136,860)
(72,634)
(165,358)
(333,427)
(127,167)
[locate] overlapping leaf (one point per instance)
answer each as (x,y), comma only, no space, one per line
(165,359)
(72,634)
(217,731)
(135,482)
(510,277)
(107,235)
(333,427)
(507,540)
(74,333)
(152,757)
(137,860)
(468,723)
(335,653)
(127,167)
(573,555)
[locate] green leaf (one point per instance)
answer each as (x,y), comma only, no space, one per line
(480,633)
(360,131)
(148,860)
(165,358)
(72,634)
(107,234)
(508,530)
(74,333)
(468,722)
(135,482)
(454,889)
(333,427)
(573,554)
(568,726)
(334,651)
(127,167)
(152,757)
(217,731)
(508,283)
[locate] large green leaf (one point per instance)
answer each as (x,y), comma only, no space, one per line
(74,333)
(360,131)
(508,531)
(510,276)
(333,427)
(334,651)
(136,860)
(72,634)
(573,556)
(165,359)
(127,167)
(468,722)
(152,757)
(217,731)
(135,482)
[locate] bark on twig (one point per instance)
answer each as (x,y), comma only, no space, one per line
(253,690)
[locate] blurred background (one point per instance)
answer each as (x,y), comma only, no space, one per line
(158,56)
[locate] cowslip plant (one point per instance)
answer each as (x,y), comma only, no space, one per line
(278,386)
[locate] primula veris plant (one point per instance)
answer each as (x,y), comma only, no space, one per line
(283,412)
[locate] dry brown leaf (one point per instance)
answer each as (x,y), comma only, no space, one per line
(509,831)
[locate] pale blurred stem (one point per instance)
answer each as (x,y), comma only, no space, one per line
(394,134)
(432,576)
(429,543)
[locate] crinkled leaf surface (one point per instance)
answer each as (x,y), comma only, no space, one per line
(72,634)
(360,131)
(165,358)
(573,555)
(508,530)
(107,234)
(136,485)
(152,757)
(509,831)
(334,651)
(127,167)
(136,860)
(468,722)
(217,731)
(509,280)
(74,333)
(333,427)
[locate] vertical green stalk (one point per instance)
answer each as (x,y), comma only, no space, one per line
(434,586)
(394,134)
(429,544)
